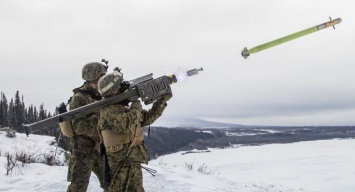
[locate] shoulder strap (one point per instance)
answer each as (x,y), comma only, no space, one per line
(99,131)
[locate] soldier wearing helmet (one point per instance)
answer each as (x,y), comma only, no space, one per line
(121,131)
(84,157)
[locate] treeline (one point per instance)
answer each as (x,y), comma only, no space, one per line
(14,113)
(162,141)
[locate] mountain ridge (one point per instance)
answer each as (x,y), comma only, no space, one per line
(192,122)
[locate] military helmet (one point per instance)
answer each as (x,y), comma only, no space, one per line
(93,70)
(110,83)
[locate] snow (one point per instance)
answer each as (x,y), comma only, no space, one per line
(252,132)
(242,134)
(313,166)
(326,165)
(38,147)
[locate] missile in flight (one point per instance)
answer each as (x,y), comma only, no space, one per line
(246,52)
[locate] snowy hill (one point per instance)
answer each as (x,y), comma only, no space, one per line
(167,121)
(326,166)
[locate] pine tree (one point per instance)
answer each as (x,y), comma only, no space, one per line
(14,114)
(30,115)
(42,113)
(1,110)
(4,110)
(18,111)
(11,115)
(25,113)
(22,112)
(35,114)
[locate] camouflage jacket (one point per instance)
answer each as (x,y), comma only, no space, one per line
(120,119)
(84,95)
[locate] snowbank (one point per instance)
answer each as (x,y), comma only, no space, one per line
(326,166)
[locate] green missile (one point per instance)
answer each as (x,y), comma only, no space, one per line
(246,52)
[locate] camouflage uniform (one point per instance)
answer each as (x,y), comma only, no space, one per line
(121,120)
(84,154)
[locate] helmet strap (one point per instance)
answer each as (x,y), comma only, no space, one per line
(117,76)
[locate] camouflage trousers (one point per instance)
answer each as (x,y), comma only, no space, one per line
(84,159)
(128,179)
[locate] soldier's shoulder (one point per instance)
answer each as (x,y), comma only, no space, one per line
(77,97)
(78,100)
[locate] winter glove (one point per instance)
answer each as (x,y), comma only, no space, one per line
(162,101)
(166,97)
(136,105)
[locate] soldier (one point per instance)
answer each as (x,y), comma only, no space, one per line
(84,144)
(121,130)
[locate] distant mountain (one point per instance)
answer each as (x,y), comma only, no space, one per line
(192,123)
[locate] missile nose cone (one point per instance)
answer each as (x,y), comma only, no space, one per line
(193,71)
(245,53)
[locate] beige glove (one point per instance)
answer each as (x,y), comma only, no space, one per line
(162,101)
(166,97)
(136,105)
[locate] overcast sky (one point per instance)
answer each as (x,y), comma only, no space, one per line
(307,81)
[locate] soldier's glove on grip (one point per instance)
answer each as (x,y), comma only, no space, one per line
(136,105)
(166,97)
(162,101)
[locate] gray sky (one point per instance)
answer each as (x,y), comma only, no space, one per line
(307,81)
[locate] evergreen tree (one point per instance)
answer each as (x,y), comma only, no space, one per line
(30,115)
(1,110)
(11,115)
(14,114)
(4,110)
(42,113)
(18,111)
(22,112)
(35,114)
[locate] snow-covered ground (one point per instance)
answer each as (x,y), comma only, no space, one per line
(326,166)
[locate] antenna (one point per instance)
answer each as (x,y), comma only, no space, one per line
(106,62)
